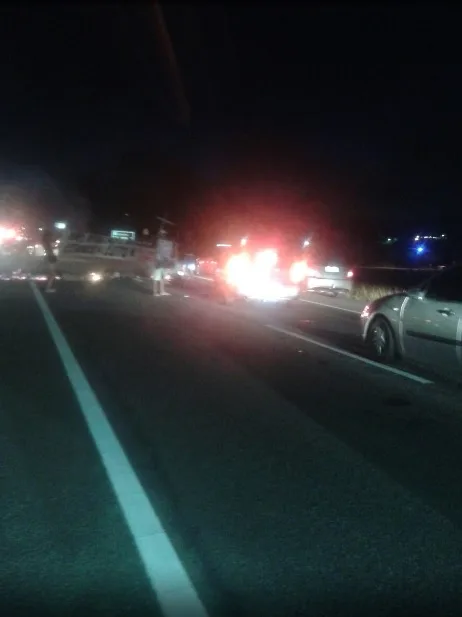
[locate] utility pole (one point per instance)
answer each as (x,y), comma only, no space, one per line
(168,53)
(163,221)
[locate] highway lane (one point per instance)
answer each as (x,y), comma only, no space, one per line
(332,321)
(291,480)
(65,548)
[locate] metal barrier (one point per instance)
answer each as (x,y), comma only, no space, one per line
(403,269)
(93,246)
(127,257)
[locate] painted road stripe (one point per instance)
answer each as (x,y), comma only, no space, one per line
(337,308)
(204,278)
(342,352)
(167,576)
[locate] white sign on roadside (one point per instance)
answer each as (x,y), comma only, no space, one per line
(121,234)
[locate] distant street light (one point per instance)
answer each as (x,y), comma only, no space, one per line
(60,225)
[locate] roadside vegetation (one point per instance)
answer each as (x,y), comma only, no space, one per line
(368,293)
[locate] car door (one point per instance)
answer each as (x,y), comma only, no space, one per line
(432,323)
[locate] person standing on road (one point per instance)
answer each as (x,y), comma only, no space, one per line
(161,262)
(158,278)
(51,260)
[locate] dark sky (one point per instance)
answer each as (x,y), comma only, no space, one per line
(355,107)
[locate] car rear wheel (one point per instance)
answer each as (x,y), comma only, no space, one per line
(380,341)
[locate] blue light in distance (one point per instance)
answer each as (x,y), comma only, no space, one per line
(420,249)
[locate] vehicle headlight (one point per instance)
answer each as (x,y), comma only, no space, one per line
(95,277)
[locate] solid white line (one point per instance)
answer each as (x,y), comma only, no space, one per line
(204,278)
(354,356)
(337,308)
(167,576)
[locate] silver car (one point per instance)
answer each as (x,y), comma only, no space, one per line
(330,276)
(423,325)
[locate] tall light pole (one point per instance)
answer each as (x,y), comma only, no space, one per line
(163,221)
(166,48)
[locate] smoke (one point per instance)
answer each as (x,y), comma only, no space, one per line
(33,197)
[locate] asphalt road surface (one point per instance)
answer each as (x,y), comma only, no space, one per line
(172,456)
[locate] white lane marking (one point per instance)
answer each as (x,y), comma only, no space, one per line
(167,576)
(348,354)
(337,308)
(204,278)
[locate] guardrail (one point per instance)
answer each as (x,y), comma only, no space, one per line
(403,269)
(127,257)
(89,238)
(94,247)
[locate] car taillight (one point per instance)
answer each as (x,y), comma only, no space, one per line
(298,272)
(350,274)
(237,269)
(266,259)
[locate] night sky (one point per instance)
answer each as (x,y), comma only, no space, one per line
(295,112)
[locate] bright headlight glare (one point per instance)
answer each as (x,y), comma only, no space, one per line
(95,277)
